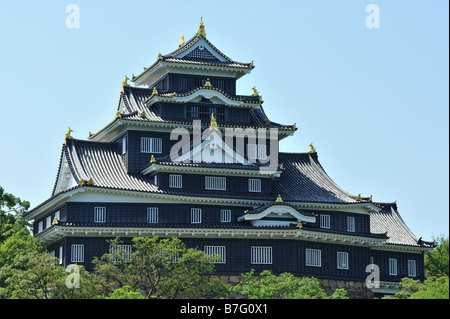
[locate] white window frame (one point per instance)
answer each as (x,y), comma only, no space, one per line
(152,215)
(261,255)
(123,250)
(254,185)
(124,145)
(216,183)
(313,257)
(77,253)
(325,221)
(257,151)
(196,215)
(351,224)
(40,226)
(216,250)
(58,215)
(175,181)
(48,221)
(151,145)
(393,266)
(412,268)
(342,260)
(99,214)
(225,215)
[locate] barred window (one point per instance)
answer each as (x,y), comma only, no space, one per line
(393,266)
(214,251)
(324,221)
(77,253)
(152,215)
(99,214)
(175,181)
(257,151)
(203,112)
(254,185)
(225,215)
(412,268)
(121,253)
(261,255)
(342,260)
(215,183)
(151,145)
(182,83)
(313,257)
(350,224)
(196,215)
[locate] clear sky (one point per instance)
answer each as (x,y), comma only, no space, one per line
(374,101)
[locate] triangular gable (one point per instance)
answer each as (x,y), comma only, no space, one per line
(65,179)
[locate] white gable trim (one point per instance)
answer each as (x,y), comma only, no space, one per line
(278,211)
(202,44)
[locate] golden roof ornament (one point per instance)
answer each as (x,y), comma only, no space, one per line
(68,136)
(152,159)
(279,199)
(201,29)
(181,40)
(142,115)
(371,200)
(359,198)
(160,57)
(118,115)
(299,225)
(213,123)
(90,181)
(313,149)
(207,83)
(255,91)
(155,91)
(82,182)
(55,221)
(125,82)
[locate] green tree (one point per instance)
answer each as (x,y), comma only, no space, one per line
(11,209)
(283,286)
(432,288)
(160,268)
(436,261)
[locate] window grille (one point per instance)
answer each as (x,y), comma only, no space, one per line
(393,266)
(152,215)
(350,224)
(324,221)
(203,112)
(214,251)
(121,253)
(411,268)
(254,185)
(151,145)
(183,83)
(77,254)
(215,183)
(99,214)
(196,215)
(175,181)
(225,215)
(257,151)
(261,255)
(313,257)
(342,260)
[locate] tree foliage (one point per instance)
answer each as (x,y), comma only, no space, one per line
(436,262)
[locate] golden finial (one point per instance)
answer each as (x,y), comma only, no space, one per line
(155,91)
(279,199)
(142,115)
(358,198)
(255,92)
(371,200)
(118,115)
(55,221)
(313,149)
(267,122)
(181,40)
(282,166)
(90,181)
(125,82)
(207,83)
(81,183)
(251,64)
(68,136)
(160,57)
(152,159)
(213,123)
(201,29)
(299,225)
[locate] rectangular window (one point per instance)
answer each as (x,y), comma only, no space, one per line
(124,145)
(350,224)
(151,145)
(261,255)
(313,257)
(254,185)
(77,254)
(411,268)
(216,183)
(58,215)
(218,251)
(152,215)
(324,221)
(175,181)
(342,260)
(40,226)
(257,151)
(99,214)
(121,253)
(225,215)
(60,255)
(48,221)
(392,266)
(196,215)
(182,83)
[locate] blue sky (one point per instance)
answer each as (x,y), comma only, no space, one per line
(374,101)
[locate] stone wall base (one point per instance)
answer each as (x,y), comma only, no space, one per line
(355,289)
